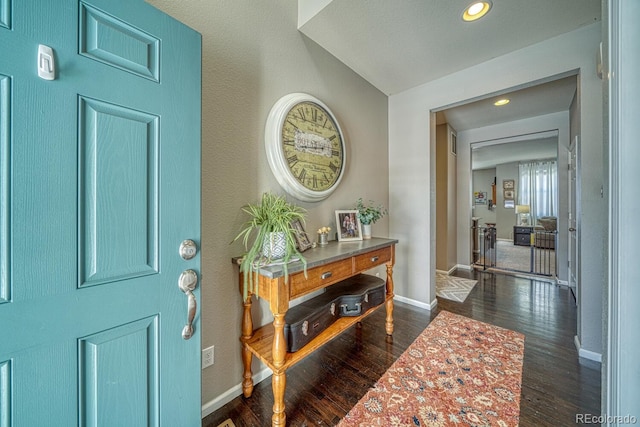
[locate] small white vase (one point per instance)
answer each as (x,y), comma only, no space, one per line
(366,231)
(274,247)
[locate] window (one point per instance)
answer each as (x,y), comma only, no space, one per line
(538,188)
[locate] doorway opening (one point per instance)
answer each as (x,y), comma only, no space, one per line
(515,204)
(480,124)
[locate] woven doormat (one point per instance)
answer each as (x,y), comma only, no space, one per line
(453,288)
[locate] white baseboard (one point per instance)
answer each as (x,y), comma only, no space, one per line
(454,268)
(587,354)
(235,391)
(415,303)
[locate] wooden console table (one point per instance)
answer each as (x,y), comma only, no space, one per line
(326,265)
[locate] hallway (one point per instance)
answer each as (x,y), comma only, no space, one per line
(555,385)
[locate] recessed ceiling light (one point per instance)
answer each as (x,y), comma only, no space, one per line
(501,102)
(476,10)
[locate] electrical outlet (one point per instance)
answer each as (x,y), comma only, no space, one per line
(207,357)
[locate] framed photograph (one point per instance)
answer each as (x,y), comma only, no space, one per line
(348,225)
(302,238)
(509,184)
(509,194)
(509,204)
(480,197)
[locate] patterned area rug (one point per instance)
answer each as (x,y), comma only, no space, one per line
(453,288)
(457,372)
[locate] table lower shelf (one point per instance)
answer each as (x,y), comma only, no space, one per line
(261,343)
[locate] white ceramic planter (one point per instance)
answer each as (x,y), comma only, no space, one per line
(275,246)
(366,231)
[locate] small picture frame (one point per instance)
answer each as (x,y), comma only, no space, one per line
(348,226)
(480,197)
(509,194)
(509,184)
(302,238)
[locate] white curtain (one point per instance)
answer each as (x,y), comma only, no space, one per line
(538,188)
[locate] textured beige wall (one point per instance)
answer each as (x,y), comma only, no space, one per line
(253,55)
(452,202)
(446,200)
(442,197)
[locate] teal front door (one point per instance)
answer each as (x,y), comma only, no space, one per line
(99,186)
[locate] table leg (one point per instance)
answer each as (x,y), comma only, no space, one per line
(279,378)
(389,303)
(247,333)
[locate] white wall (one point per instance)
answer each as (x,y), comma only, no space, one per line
(446,204)
(411,158)
(621,373)
(252,55)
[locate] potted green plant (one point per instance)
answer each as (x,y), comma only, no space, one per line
(368,215)
(275,240)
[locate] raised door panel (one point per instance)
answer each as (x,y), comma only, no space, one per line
(118,192)
(5,174)
(5,393)
(5,13)
(119,375)
(116,43)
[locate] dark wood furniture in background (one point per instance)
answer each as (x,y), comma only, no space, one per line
(522,235)
(326,265)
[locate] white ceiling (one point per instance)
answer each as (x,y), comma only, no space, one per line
(397,45)
(537,148)
(532,101)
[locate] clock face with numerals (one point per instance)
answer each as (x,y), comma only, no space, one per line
(305,147)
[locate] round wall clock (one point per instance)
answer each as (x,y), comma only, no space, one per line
(305,147)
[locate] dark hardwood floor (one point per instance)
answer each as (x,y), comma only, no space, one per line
(556,385)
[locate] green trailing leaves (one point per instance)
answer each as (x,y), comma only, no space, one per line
(272,215)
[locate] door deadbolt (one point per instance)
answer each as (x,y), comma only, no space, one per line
(188,249)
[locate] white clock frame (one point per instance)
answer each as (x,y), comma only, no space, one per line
(275,153)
